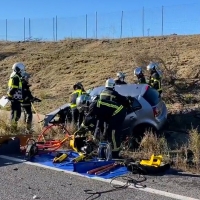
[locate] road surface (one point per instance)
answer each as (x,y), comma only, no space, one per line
(23,180)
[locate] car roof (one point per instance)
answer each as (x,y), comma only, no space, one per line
(126,90)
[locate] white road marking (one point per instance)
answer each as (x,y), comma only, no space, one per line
(149,190)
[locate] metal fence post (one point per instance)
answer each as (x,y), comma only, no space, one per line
(162,19)
(56,27)
(143,21)
(53,29)
(6,30)
(24,28)
(29,28)
(96,25)
(121,24)
(86,26)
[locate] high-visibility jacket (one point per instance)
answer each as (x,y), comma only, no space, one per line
(74,96)
(104,109)
(155,81)
(15,88)
(112,95)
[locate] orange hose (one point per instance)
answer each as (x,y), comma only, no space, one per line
(56,144)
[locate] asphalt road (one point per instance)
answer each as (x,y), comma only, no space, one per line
(21,181)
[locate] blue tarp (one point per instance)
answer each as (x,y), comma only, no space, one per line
(79,167)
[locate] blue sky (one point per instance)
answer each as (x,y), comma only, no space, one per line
(179,16)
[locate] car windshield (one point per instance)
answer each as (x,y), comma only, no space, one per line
(152,96)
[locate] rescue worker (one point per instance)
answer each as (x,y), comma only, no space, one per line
(110,94)
(120,79)
(155,77)
(105,111)
(14,93)
(140,76)
(28,98)
(76,116)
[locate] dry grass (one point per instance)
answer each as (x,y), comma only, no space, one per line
(194,145)
(152,144)
(186,158)
(5,126)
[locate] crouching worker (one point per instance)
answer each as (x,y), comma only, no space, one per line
(28,98)
(105,111)
(77,116)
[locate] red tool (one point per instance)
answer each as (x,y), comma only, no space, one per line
(93,171)
(107,169)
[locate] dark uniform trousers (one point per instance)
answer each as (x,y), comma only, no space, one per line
(15,111)
(28,115)
(114,129)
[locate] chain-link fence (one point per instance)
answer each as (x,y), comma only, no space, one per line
(165,20)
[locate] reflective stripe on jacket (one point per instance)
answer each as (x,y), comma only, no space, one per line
(155,83)
(117,108)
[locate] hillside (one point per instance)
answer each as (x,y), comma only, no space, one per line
(56,66)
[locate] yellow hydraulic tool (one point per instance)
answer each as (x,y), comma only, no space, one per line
(72,144)
(60,157)
(154,161)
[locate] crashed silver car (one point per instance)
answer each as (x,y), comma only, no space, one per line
(148,110)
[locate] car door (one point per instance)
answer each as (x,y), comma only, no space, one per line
(131,117)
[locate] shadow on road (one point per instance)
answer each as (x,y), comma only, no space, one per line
(181,173)
(5,162)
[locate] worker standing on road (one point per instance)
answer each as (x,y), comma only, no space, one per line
(155,76)
(120,78)
(14,93)
(140,76)
(78,91)
(28,98)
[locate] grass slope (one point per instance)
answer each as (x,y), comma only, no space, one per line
(56,66)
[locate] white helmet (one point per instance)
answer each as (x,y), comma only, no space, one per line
(110,83)
(120,75)
(152,66)
(18,67)
(137,71)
